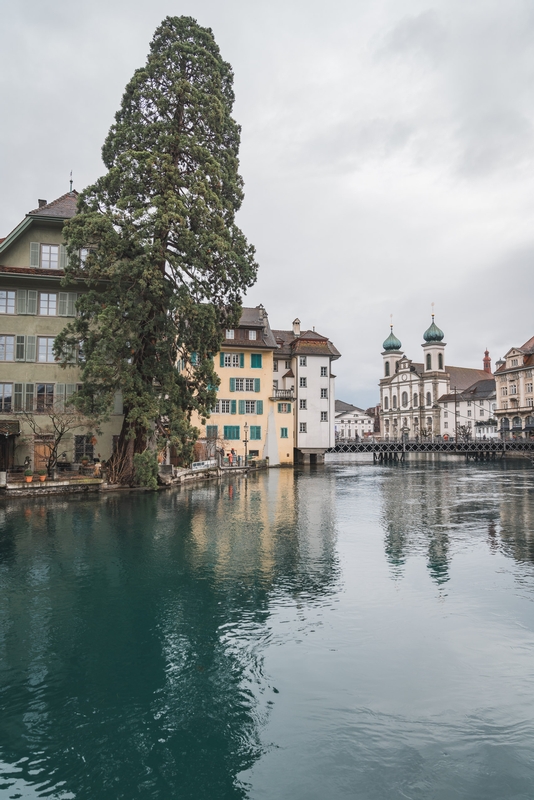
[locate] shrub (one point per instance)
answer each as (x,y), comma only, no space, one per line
(146,469)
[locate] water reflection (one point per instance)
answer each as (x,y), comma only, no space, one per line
(132,630)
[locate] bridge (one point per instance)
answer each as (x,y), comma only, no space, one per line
(396,451)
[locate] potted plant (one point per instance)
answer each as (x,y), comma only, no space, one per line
(42,475)
(28,475)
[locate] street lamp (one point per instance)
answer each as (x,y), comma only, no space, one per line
(245,440)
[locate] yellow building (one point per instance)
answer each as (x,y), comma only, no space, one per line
(247,406)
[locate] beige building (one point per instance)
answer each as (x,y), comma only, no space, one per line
(515,395)
(34,308)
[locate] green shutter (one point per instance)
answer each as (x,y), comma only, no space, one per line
(71,304)
(241,406)
(59,396)
(279,408)
(62,307)
(233,407)
(31,348)
(31,308)
(283,433)
(232,384)
(21,301)
(63,260)
(255,360)
(259,406)
(256,384)
(20,348)
(255,432)
(221,359)
(29,397)
(17,397)
(289,408)
(34,254)
(241,360)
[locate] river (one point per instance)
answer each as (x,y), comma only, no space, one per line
(350,631)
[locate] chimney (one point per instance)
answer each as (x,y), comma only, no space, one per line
(296,327)
(487,363)
(41,203)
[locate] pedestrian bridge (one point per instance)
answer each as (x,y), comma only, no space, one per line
(387,451)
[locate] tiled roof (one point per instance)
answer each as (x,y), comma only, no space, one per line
(57,273)
(64,207)
(255,319)
(528,347)
(344,408)
(463,377)
(481,390)
(309,343)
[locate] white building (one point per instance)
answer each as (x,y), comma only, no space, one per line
(302,365)
(410,391)
(515,392)
(470,414)
(352,422)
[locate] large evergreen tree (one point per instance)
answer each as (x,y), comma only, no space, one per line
(156,244)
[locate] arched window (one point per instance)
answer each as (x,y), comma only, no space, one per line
(505,424)
(416,399)
(440,360)
(516,422)
(428,361)
(394,401)
(387,424)
(386,403)
(386,369)
(428,399)
(405,399)
(529,422)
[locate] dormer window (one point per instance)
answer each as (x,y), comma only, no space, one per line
(230,333)
(514,362)
(252,335)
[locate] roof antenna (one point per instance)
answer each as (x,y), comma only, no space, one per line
(432,306)
(391,321)
(71,180)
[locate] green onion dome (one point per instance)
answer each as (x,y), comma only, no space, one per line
(433,334)
(392,343)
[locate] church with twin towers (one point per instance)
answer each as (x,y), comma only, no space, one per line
(415,397)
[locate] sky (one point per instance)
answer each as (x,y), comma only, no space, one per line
(387,150)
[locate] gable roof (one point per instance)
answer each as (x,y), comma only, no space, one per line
(481,390)
(345,408)
(64,207)
(309,343)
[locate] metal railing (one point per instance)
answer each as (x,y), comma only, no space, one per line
(283,394)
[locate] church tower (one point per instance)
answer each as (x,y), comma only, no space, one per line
(433,349)
(391,354)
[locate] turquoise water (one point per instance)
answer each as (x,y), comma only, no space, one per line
(350,632)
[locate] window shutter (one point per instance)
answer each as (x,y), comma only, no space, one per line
(256,384)
(34,254)
(71,304)
(60,396)
(70,389)
(31,347)
(233,406)
(21,301)
(31,307)
(63,300)
(63,260)
(279,408)
(232,384)
(259,406)
(29,396)
(20,349)
(117,403)
(17,397)
(241,360)
(221,359)
(241,406)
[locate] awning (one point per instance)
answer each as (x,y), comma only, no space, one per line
(9,427)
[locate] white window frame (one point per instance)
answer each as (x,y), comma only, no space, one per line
(5,301)
(46,304)
(46,252)
(46,349)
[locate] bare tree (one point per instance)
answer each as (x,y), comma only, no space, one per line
(52,426)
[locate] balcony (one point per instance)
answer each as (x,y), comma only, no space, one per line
(283,394)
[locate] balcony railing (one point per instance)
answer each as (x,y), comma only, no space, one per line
(283,394)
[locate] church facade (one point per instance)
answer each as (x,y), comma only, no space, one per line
(410,391)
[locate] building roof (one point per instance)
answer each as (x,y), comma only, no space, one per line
(460,377)
(345,408)
(481,390)
(64,207)
(253,319)
(527,350)
(308,343)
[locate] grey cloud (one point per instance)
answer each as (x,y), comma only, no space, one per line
(416,35)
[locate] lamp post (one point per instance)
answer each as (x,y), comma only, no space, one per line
(245,440)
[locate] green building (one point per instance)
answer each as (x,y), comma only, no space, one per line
(34,308)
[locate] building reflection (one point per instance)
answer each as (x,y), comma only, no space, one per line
(132,628)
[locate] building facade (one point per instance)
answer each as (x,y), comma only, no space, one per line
(352,422)
(34,308)
(515,395)
(410,391)
(470,414)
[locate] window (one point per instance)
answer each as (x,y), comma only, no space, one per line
(445,414)
(416,399)
(255,361)
(404,399)
(284,408)
(429,422)
(324,373)
(50,256)
(428,361)
(440,360)
(386,369)
(303,383)
(194,359)
(302,361)
(386,403)
(250,406)
(445,424)
(45,352)
(530,401)
(231,432)
(428,399)
(7,348)
(481,412)
(303,404)
(324,394)
(445,405)
(230,333)
(48,304)
(529,387)
(468,403)
(324,416)
(45,396)
(255,432)
(283,433)
(249,384)
(504,390)
(23,395)
(6,395)
(83,448)
(223,406)
(469,413)
(505,404)
(252,336)
(302,427)
(239,384)
(7,302)
(211,431)
(394,401)
(513,388)
(275,365)
(514,362)
(288,364)
(231,360)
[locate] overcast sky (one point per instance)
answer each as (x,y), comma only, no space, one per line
(387,151)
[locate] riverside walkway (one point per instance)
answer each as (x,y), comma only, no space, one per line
(396,451)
